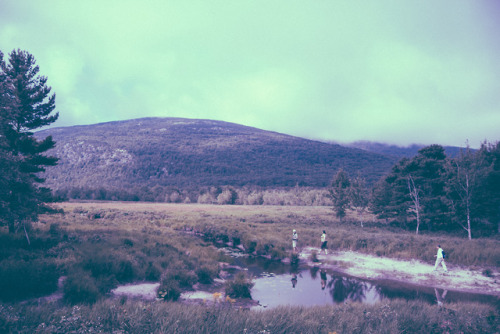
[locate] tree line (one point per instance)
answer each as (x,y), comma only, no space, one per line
(431,191)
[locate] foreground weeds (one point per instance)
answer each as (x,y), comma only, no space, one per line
(165,317)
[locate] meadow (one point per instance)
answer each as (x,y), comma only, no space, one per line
(99,245)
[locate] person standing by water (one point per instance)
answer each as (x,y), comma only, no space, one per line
(295,237)
(440,259)
(324,243)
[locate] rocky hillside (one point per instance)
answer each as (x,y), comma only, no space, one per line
(189,153)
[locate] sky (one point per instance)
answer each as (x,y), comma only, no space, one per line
(392,71)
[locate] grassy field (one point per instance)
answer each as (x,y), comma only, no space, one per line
(98,246)
(268,229)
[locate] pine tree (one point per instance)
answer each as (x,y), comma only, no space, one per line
(415,186)
(339,193)
(26,105)
(486,200)
(390,197)
(428,171)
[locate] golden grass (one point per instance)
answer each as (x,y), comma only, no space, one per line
(268,229)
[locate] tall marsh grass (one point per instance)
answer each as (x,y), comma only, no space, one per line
(113,316)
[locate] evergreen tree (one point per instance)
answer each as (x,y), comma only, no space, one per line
(26,105)
(339,193)
(390,197)
(6,158)
(487,199)
(493,187)
(427,169)
(414,186)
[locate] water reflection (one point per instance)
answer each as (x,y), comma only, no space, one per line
(440,297)
(343,288)
(311,287)
(323,279)
(294,280)
(278,284)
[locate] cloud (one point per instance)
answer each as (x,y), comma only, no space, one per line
(384,71)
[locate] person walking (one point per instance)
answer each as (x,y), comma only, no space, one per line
(295,237)
(324,243)
(440,259)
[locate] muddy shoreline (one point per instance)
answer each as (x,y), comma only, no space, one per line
(414,272)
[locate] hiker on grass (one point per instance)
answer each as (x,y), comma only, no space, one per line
(324,243)
(440,259)
(295,237)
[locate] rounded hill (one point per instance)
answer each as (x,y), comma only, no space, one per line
(190,153)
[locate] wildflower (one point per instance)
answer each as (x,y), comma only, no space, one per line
(216,296)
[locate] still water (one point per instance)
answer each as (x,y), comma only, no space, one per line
(278,284)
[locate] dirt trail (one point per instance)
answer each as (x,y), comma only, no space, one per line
(414,272)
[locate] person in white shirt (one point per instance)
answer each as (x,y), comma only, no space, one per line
(324,243)
(440,259)
(294,240)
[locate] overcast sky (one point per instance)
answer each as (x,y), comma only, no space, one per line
(392,71)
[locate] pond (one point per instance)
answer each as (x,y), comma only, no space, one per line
(278,284)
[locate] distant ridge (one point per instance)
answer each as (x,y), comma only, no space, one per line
(398,151)
(190,153)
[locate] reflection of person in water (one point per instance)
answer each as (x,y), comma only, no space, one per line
(440,298)
(294,280)
(322,275)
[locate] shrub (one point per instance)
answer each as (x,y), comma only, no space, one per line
(239,286)
(152,272)
(55,230)
(169,289)
(21,279)
(205,275)
(128,243)
(251,246)
(125,271)
(184,277)
(80,287)
(487,272)
(314,256)
(109,265)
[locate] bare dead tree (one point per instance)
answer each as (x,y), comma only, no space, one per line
(415,197)
(465,193)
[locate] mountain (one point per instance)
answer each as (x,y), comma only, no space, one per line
(398,151)
(192,153)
